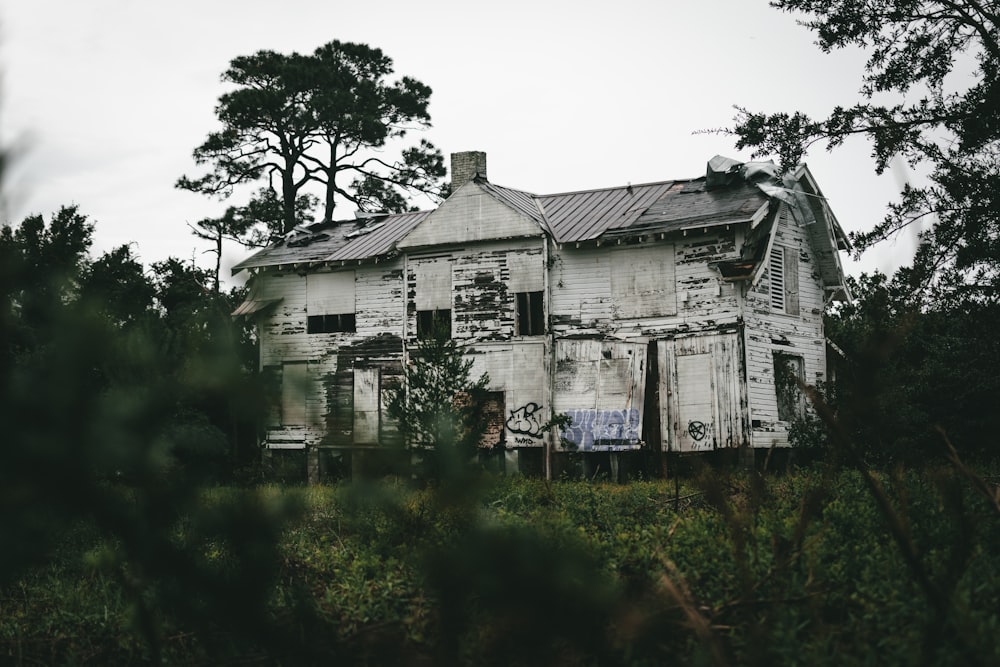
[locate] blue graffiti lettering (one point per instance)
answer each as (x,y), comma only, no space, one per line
(602,429)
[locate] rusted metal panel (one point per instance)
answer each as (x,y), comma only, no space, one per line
(600,385)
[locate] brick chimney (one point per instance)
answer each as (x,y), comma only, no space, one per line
(466,166)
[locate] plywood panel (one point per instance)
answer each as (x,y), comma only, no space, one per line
(696,402)
(330,293)
(367,392)
(703,400)
(600,385)
(433,283)
(294,379)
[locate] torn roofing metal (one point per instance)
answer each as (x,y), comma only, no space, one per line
(371,237)
(690,204)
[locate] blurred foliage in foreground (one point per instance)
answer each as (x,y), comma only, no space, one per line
(126,396)
(795,569)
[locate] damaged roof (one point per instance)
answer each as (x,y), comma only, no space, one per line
(731,192)
(366,238)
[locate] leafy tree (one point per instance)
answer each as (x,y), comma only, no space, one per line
(41,268)
(115,285)
(914,369)
(313,119)
(437,408)
(918,51)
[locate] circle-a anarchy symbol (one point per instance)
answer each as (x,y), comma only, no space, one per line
(697,430)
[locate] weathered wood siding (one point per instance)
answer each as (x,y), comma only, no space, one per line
(771,328)
(324,363)
(657,288)
(519,369)
(702,394)
(470,215)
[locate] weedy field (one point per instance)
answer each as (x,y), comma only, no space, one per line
(813,567)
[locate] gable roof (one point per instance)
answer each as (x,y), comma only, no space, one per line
(738,194)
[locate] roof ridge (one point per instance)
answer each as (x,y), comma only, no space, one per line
(624,187)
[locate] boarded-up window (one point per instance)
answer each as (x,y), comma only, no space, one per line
(783,270)
(642,281)
(294,376)
(789,372)
(526,272)
(367,408)
(433,288)
(328,293)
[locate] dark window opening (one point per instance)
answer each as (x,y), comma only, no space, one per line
(789,375)
(434,323)
(341,323)
(530,314)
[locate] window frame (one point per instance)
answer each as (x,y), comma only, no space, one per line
(430,322)
(332,323)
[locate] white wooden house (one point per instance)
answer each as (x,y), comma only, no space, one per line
(654,315)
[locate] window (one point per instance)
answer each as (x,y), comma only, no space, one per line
(530,314)
(330,302)
(784,274)
(344,322)
(434,322)
(788,374)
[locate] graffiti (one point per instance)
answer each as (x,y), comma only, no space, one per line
(602,429)
(697,430)
(524,421)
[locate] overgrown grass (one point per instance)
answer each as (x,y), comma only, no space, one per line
(805,568)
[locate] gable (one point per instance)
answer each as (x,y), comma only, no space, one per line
(472,213)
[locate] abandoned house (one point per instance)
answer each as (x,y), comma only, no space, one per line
(662,317)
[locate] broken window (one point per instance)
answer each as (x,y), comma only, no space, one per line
(434,323)
(530,314)
(783,269)
(789,374)
(342,322)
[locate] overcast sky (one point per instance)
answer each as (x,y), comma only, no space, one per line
(104,100)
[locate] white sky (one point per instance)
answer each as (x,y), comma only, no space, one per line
(104,100)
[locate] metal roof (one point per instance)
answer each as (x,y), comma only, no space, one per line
(568,217)
(581,216)
(337,241)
